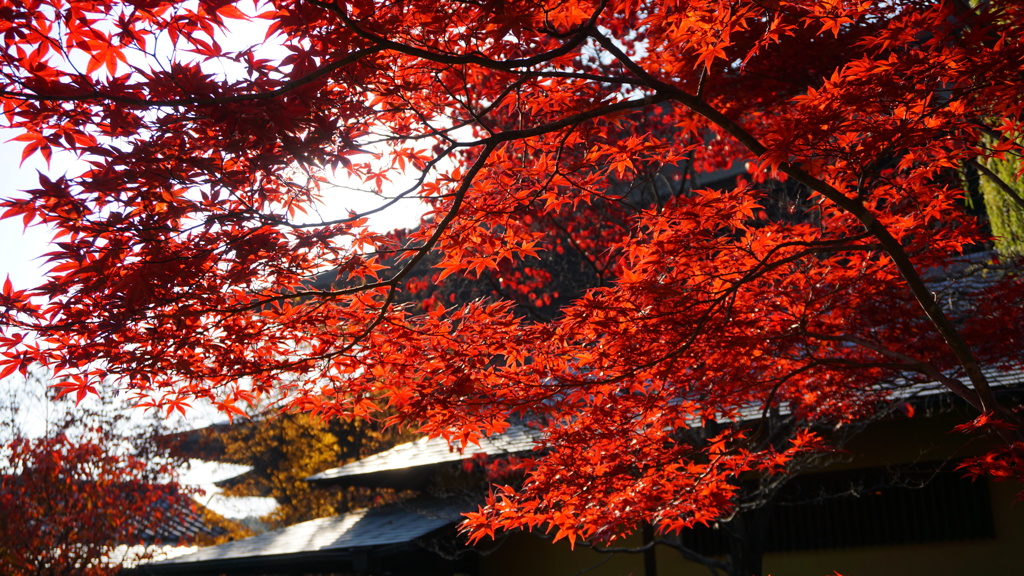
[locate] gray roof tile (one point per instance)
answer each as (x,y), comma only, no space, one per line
(394,524)
(427,451)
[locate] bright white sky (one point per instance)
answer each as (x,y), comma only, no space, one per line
(20,258)
(21,248)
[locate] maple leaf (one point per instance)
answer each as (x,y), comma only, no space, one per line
(592,256)
(87,486)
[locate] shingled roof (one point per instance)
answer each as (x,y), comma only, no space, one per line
(178,519)
(355,540)
(432,451)
(344,540)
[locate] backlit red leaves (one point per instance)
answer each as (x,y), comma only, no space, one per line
(66,504)
(591,258)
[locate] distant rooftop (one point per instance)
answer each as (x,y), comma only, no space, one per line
(430,451)
(340,536)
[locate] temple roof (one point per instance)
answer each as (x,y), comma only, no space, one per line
(345,538)
(430,451)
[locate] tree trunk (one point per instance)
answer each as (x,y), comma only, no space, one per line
(748,531)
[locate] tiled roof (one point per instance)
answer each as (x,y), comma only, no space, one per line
(178,519)
(394,524)
(520,439)
(1002,381)
(428,451)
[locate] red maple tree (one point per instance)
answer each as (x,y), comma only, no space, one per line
(84,495)
(67,505)
(536,130)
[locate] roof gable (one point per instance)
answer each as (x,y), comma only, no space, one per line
(389,525)
(431,451)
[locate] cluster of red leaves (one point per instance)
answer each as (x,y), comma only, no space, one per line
(184,257)
(67,504)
